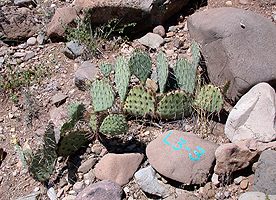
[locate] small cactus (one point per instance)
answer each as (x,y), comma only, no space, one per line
(226,86)
(185,74)
(162,70)
(75,111)
(209,98)
(105,68)
(195,53)
(114,124)
(140,65)
(175,105)
(140,101)
(102,95)
(122,76)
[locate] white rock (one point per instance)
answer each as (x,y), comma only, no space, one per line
(253,117)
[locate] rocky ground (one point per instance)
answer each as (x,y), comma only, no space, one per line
(25,114)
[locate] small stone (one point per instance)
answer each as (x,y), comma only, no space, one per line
(31,41)
(215,179)
(244,184)
(169,52)
(97,148)
(59,99)
(243,2)
(238,180)
(40,39)
(170,34)
(160,30)
(29,55)
(19,54)
(152,85)
(60,192)
(228,3)
(151,40)
(36,189)
(87,165)
(78,186)
(172,28)
(69,197)
(73,49)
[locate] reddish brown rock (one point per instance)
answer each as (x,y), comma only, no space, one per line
(182,156)
(119,168)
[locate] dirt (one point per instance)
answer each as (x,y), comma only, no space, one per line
(15,181)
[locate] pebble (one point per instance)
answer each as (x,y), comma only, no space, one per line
(69,197)
(87,165)
(228,3)
(170,34)
(244,184)
(31,41)
(78,186)
(238,180)
(160,30)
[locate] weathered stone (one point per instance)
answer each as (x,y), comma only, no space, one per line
(62,17)
(59,99)
(265,175)
(32,196)
(73,49)
(160,30)
(147,181)
(86,72)
(232,157)
(17,23)
(182,156)
(78,186)
(105,189)
(69,197)
(87,165)
(19,54)
(253,116)
(151,40)
(31,41)
(118,167)
(238,45)
(256,196)
(29,55)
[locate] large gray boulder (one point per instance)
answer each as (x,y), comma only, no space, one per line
(238,45)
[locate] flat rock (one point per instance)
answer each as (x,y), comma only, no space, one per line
(59,99)
(238,45)
(118,167)
(147,181)
(151,40)
(32,196)
(253,117)
(265,175)
(86,72)
(73,49)
(256,196)
(102,190)
(182,156)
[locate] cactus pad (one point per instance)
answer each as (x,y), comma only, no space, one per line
(175,105)
(162,70)
(75,111)
(73,137)
(140,65)
(122,76)
(140,101)
(185,74)
(195,53)
(105,68)
(114,124)
(102,95)
(209,98)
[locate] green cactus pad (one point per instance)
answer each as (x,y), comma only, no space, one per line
(114,124)
(226,86)
(122,76)
(209,98)
(102,95)
(42,165)
(162,70)
(185,74)
(73,137)
(105,68)
(93,122)
(175,105)
(140,65)
(195,53)
(140,101)
(75,111)
(49,140)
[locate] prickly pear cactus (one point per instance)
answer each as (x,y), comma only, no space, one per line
(162,70)
(122,76)
(175,105)
(73,137)
(195,53)
(140,101)
(226,86)
(75,111)
(140,65)
(209,98)
(102,95)
(114,124)
(42,165)
(105,68)
(185,74)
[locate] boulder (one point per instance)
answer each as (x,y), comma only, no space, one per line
(62,17)
(182,156)
(265,176)
(105,189)
(256,196)
(253,117)
(17,23)
(237,44)
(118,167)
